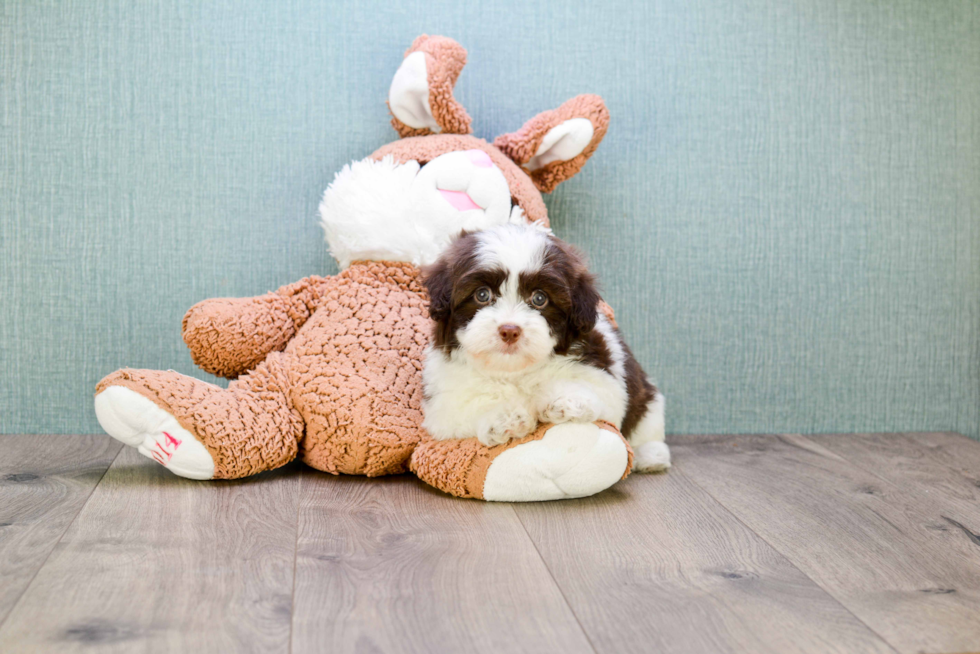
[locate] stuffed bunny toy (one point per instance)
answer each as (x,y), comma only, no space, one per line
(328,369)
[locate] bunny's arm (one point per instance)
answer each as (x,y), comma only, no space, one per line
(229,336)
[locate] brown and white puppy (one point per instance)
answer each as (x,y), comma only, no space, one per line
(519,339)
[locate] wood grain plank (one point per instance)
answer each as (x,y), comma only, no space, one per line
(952,449)
(879,549)
(391,565)
(937,462)
(158,563)
(656,565)
(44,482)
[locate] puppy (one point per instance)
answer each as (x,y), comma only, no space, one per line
(519,338)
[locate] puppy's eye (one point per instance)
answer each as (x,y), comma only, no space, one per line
(539,299)
(483,295)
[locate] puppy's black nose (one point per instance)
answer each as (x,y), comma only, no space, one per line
(509,333)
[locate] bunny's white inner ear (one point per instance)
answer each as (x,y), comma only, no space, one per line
(408,96)
(563,142)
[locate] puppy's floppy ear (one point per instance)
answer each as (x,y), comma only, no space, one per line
(421,94)
(438,281)
(554,145)
(585,303)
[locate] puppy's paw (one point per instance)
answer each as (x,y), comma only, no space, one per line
(653,456)
(572,406)
(504,423)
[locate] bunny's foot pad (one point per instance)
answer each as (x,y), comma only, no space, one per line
(555,462)
(139,422)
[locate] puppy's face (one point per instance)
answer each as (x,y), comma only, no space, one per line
(510,297)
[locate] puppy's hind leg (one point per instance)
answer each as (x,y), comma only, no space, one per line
(651,453)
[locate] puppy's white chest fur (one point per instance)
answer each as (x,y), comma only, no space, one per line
(463,401)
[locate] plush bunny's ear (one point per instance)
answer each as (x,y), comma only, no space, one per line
(554,145)
(421,94)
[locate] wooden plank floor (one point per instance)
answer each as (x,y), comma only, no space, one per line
(44,481)
(857,543)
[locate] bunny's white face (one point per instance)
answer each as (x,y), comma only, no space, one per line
(463,190)
(382,210)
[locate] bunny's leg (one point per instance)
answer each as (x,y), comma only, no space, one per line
(555,462)
(202,431)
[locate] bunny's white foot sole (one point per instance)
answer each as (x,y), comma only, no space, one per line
(571,460)
(138,422)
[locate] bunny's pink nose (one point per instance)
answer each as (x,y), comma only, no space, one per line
(479,158)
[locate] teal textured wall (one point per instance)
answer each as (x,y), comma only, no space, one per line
(785,212)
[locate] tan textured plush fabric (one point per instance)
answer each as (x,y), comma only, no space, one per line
(356,370)
(459,467)
(345,393)
(524,143)
(426,148)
